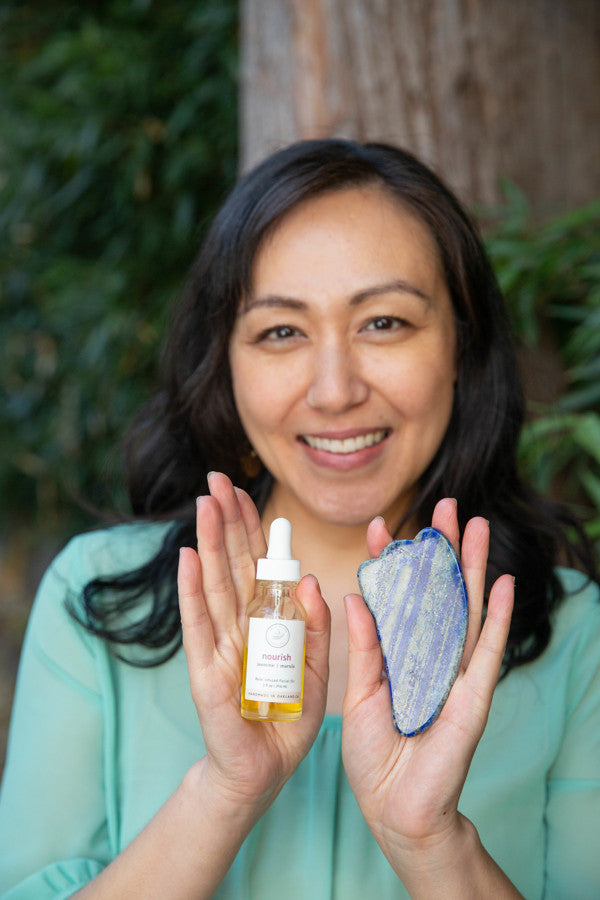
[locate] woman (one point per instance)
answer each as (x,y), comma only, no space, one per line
(342,354)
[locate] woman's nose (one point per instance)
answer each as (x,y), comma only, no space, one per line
(336,383)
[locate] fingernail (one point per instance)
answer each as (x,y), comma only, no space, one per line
(209,476)
(314,578)
(379,519)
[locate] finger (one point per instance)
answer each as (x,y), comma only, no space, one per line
(365,660)
(256,537)
(378,537)
(445,519)
(474,554)
(217,583)
(318,626)
(235,538)
(198,639)
(484,668)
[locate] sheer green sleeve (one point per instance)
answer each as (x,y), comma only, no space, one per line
(55,828)
(573,804)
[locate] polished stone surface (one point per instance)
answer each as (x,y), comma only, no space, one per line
(416,593)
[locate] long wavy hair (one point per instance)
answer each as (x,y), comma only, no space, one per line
(191,426)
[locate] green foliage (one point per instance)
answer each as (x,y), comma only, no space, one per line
(550,275)
(117,142)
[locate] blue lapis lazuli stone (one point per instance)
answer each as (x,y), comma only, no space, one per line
(416,593)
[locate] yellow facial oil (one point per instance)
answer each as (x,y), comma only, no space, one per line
(273,674)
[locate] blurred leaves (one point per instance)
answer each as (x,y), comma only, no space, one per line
(118,131)
(550,275)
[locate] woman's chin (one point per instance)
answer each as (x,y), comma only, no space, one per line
(355,511)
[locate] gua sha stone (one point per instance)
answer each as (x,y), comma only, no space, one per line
(416,593)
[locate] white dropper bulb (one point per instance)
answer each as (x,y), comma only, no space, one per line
(278,564)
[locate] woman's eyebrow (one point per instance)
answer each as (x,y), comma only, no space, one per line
(280,302)
(398,285)
(273,300)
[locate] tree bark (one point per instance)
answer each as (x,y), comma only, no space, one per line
(478,89)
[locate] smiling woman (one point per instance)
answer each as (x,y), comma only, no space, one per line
(341,358)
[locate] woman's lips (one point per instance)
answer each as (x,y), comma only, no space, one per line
(345,445)
(345,451)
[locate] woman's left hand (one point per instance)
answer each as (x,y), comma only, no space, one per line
(408,788)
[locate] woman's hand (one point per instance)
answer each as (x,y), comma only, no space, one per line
(249,761)
(408,788)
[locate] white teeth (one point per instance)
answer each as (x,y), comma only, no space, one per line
(349,445)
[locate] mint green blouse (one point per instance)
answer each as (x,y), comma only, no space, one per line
(96,747)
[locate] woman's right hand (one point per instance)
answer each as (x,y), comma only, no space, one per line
(246,760)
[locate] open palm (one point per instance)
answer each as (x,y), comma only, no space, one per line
(408,788)
(249,759)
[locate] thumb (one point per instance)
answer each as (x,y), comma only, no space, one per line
(365,660)
(318,625)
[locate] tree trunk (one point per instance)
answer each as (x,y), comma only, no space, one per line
(477,88)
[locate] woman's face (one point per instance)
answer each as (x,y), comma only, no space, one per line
(343,356)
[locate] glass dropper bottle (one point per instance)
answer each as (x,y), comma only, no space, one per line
(273,674)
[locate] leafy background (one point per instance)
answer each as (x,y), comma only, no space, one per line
(117,141)
(550,275)
(118,127)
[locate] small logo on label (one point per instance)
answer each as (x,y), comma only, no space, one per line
(277,635)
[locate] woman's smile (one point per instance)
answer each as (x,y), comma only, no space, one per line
(342,356)
(344,450)
(345,444)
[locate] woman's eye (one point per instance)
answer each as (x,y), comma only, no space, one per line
(385,323)
(279,333)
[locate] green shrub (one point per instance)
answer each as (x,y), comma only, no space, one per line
(550,275)
(117,141)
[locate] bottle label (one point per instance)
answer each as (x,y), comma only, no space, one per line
(275,660)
